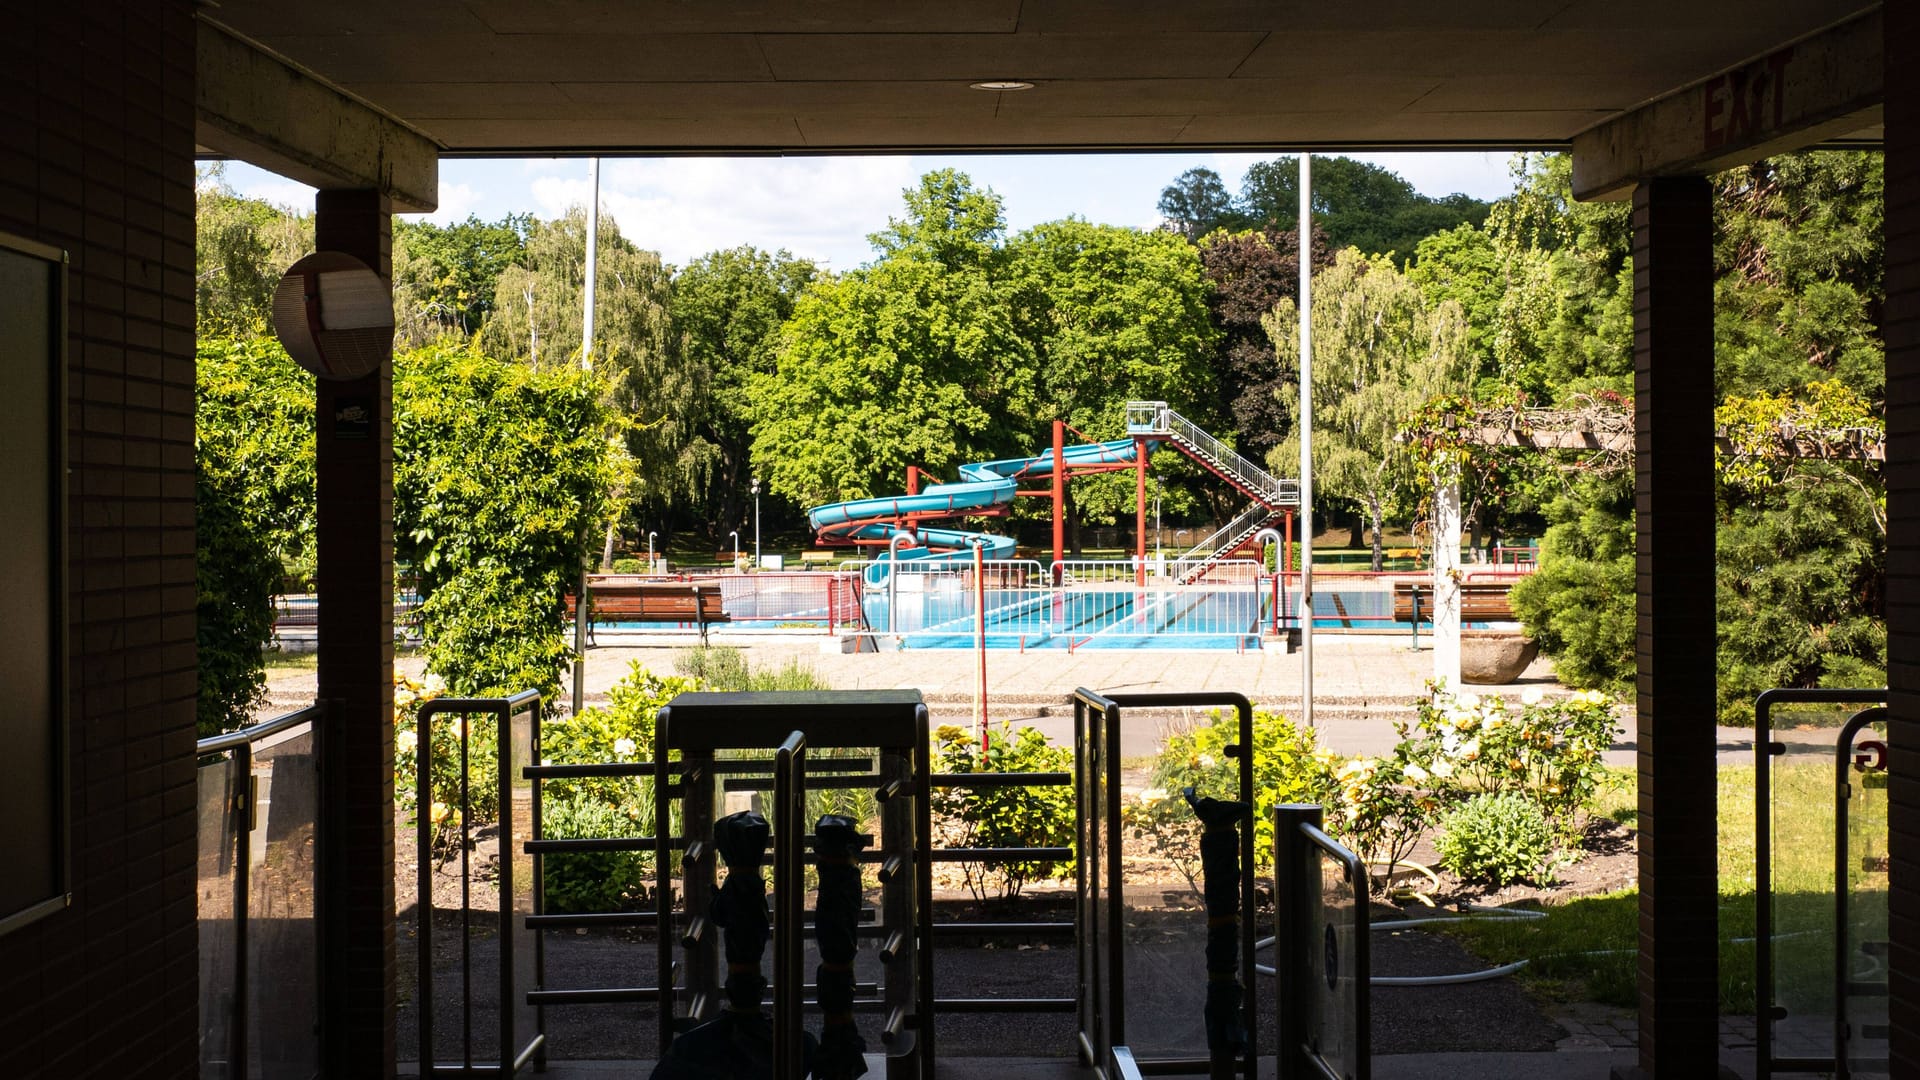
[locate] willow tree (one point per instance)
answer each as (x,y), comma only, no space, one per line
(1380,352)
(538,311)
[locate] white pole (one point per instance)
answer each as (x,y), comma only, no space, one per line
(1303,248)
(586,364)
(593,263)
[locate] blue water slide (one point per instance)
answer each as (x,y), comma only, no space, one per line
(983,487)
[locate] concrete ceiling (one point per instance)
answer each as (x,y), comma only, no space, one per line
(571,76)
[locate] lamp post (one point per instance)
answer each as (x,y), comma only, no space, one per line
(650,536)
(756,522)
(736,547)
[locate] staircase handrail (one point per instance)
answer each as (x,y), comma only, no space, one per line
(1225,455)
(1248,520)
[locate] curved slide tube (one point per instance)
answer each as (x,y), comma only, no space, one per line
(984,486)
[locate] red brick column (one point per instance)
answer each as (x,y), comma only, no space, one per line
(1902,334)
(1673,441)
(355,585)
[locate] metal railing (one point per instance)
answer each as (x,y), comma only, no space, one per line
(1820,961)
(1224,540)
(519,959)
(259,804)
(1155,418)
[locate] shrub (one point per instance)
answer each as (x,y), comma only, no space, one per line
(629,566)
(597,880)
(1549,751)
(1003,816)
(1287,768)
(1497,837)
(1377,810)
(500,472)
(722,667)
(253,495)
(621,730)
(483,792)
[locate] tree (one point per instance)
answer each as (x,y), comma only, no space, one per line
(1356,203)
(539,311)
(445,276)
(1250,273)
(1197,203)
(913,360)
(728,307)
(241,247)
(253,512)
(1112,315)
(499,471)
(1579,605)
(1380,353)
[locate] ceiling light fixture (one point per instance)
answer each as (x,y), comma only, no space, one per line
(1000,84)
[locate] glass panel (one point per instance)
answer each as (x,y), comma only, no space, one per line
(1165,932)
(1866,925)
(1800,868)
(517,808)
(283,961)
(1339,966)
(219,934)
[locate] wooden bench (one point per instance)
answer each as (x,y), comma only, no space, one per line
(652,602)
(824,559)
(1480,601)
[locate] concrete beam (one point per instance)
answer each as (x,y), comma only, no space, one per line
(262,109)
(1827,85)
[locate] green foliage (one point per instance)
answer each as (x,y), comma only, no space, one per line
(1801,599)
(912,360)
(1579,605)
(445,276)
(598,880)
(499,473)
(241,247)
(1380,352)
(444,810)
(1287,768)
(1197,203)
(1498,837)
(728,307)
(1003,816)
(1356,203)
(253,492)
(722,667)
(1548,752)
(1251,272)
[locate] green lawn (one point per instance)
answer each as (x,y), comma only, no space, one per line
(1584,949)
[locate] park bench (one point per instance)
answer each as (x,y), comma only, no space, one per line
(1480,601)
(823,559)
(652,602)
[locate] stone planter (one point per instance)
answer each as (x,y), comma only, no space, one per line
(1495,657)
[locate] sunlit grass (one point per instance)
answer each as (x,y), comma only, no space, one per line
(1585,949)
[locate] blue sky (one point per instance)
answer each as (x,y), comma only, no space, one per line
(822,208)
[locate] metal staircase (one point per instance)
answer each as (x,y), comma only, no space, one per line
(1271,496)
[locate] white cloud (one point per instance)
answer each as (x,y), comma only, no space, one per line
(456,202)
(817,208)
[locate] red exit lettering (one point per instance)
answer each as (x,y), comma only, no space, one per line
(1745,101)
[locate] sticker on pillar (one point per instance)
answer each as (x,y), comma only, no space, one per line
(334,315)
(353,418)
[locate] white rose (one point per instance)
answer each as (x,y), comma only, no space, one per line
(1532,695)
(623,747)
(406,741)
(1416,774)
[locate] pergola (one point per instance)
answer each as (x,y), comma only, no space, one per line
(108,104)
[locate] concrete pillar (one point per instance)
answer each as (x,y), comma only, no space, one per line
(354,464)
(1446,586)
(1902,333)
(1673,441)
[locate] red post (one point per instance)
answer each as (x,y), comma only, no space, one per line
(980,634)
(913,479)
(1140,512)
(1059,496)
(1286,547)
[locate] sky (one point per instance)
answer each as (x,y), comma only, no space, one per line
(822,208)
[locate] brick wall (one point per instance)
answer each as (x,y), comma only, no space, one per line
(1902,332)
(96,145)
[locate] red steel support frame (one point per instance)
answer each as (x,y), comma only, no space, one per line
(1059,496)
